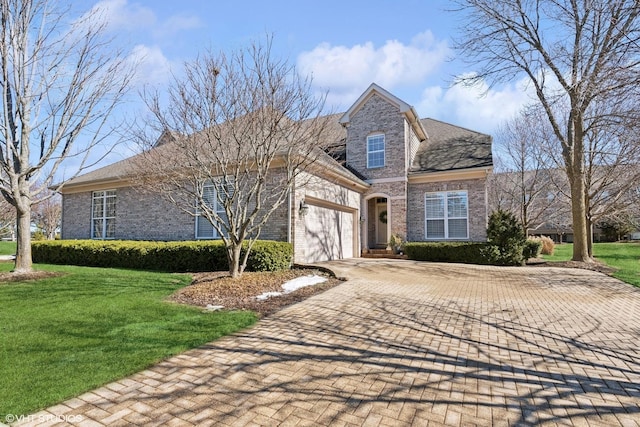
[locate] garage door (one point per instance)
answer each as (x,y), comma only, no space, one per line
(329,234)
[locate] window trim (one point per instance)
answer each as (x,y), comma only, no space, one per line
(446,217)
(384,150)
(103,196)
(200,217)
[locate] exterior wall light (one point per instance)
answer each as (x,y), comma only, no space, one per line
(304,208)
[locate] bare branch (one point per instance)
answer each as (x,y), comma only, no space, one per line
(244,125)
(578,54)
(60,82)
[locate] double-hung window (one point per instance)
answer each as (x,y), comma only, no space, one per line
(103,214)
(375,151)
(204,228)
(446,215)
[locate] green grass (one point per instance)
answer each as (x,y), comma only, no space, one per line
(64,335)
(562,252)
(7,248)
(623,256)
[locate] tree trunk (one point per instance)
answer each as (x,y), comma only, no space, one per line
(590,237)
(578,211)
(23,249)
(234,260)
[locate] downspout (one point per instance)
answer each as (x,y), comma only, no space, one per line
(289,222)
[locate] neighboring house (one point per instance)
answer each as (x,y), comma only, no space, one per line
(539,198)
(386,172)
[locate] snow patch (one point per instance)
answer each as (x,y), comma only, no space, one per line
(293,285)
(301,282)
(266,295)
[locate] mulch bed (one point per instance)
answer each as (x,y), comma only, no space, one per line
(219,289)
(593,266)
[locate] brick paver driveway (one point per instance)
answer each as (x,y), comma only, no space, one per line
(406,343)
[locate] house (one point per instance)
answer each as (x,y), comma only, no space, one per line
(387,172)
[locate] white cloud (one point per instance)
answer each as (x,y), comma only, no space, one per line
(347,71)
(176,24)
(120,15)
(478,107)
(152,67)
(149,60)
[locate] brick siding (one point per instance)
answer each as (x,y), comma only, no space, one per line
(377,115)
(142,215)
(477,199)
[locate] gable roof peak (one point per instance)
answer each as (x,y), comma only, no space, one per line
(374,89)
(406,109)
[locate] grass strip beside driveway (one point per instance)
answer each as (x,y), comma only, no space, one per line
(625,257)
(64,335)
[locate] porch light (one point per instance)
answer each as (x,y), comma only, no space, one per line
(304,208)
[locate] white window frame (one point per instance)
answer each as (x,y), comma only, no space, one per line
(199,217)
(102,196)
(369,152)
(445,195)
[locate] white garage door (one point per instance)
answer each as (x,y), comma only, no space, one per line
(329,234)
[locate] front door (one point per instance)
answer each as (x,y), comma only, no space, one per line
(381,224)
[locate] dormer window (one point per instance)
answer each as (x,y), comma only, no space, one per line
(375,151)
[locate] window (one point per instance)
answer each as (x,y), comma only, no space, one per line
(204,229)
(446,215)
(103,215)
(375,151)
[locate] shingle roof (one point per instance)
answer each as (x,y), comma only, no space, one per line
(114,171)
(334,135)
(447,148)
(451,147)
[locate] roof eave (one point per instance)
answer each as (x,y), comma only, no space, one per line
(417,177)
(97,184)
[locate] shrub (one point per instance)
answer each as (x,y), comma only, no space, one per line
(463,252)
(37,235)
(270,256)
(163,256)
(548,246)
(507,238)
(532,248)
(396,242)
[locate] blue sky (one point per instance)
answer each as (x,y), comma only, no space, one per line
(403,46)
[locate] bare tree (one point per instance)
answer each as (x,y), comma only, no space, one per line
(523,179)
(7,220)
(573,52)
(612,173)
(58,79)
(239,131)
(611,169)
(47,214)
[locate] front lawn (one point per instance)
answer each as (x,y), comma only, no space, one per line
(625,257)
(7,248)
(61,336)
